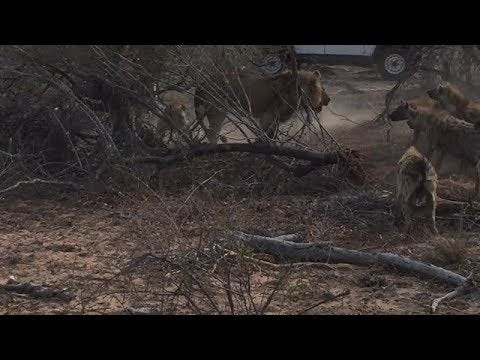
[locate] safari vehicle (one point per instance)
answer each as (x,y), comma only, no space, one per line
(391,61)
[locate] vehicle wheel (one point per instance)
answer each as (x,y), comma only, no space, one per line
(392,64)
(272,64)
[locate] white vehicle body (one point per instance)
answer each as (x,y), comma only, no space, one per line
(352,50)
(391,61)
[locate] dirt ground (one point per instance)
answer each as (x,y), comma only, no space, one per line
(94,245)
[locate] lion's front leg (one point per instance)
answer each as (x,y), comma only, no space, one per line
(269,125)
(215,120)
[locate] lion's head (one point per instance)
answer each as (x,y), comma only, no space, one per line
(314,90)
(177,115)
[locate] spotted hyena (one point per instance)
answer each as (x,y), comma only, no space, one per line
(416,188)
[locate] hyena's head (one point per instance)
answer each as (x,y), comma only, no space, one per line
(473,113)
(447,95)
(439,92)
(402,112)
(415,114)
(407,111)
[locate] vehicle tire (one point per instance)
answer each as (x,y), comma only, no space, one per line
(392,63)
(272,64)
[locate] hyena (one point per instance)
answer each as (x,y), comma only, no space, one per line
(416,188)
(401,113)
(447,135)
(444,132)
(456,103)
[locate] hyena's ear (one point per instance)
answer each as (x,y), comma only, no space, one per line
(442,85)
(411,106)
(317,75)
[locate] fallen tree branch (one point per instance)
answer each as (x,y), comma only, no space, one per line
(297,237)
(323,252)
(36,291)
(317,159)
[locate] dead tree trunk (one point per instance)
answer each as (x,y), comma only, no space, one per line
(322,252)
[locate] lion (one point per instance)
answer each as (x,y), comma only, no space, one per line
(272,101)
(416,188)
(456,103)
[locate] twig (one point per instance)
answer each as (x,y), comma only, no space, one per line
(4,153)
(466,288)
(40,181)
(274,291)
(344,117)
(281,266)
(199,185)
(329,298)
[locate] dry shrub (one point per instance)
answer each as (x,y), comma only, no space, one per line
(449,250)
(454,190)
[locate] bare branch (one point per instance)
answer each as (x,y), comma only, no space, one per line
(40,181)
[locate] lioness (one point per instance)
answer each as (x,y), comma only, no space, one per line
(271,100)
(174,118)
(416,188)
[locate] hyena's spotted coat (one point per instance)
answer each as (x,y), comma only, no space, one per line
(416,188)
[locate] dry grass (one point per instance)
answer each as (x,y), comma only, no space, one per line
(449,250)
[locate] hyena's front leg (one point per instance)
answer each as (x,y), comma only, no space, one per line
(433,224)
(398,211)
(463,166)
(437,159)
(431,143)
(416,135)
(409,205)
(407,214)
(431,207)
